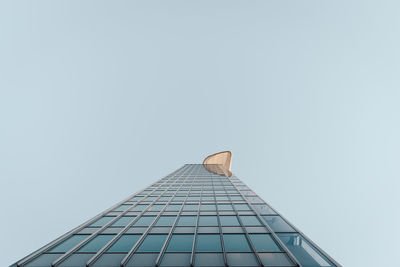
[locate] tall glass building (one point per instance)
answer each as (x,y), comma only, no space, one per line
(199,215)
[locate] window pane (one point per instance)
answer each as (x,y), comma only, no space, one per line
(123,221)
(96,243)
(101,221)
(180,243)
(208,221)
(144,221)
(124,243)
(225,207)
(122,208)
(208,243)
(304,252)
(152,243)
(139,207)
(190,207)
(236,243)
(277,224)
(229,221)
(207,207)
(187,221)
(157,207)
(173,207)
(264,243)
(242,206)
(250,220)
(165,221)
(69,243)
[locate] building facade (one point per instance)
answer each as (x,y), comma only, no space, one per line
(199,215)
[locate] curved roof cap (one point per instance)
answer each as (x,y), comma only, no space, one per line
(219,163)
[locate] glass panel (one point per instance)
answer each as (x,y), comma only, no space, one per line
(173,207)
(304,252)
(139,207)
(123,221)
(157,207)
(187,221)
(96,243)
(69,243)
(208,221)
(207,207)
(264,243)
(101,221)
(229,221)
(190,207)
(277,224)
(208,243)
(209,259)
(250,220)
(152,243)
(242,260)
(144,221)
(165,221)
(225,207)
(180,243)
(124,243)
(236,243)
(122,208)
(242,206)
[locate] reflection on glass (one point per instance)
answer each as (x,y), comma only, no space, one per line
(264,243)
(124,243)
(304,252)
(180,243)
(236,243)
(68,243)
(96,243)
(277,224)
(152,243)
(208,243)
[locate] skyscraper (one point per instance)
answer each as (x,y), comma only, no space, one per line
(199,215)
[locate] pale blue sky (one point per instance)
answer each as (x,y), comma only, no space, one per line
(100,98)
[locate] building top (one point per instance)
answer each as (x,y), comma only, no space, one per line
(219,163)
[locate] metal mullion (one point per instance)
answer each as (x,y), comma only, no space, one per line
(136,246)
(195,234)
(112,241)
(247,236)
(78,228)
(221,236)
(93,235)
(164,247)
(276,238)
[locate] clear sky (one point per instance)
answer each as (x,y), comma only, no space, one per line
(100,98)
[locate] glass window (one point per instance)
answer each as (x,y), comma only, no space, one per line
(208,221)
(191,207)
(101,221)
(123,221)
(165,221)
(236,198)
(180,243)
(229,221)
(173,207)
(124,243)
(250,220)
(157,207)
(277,224)
(164,198)
(236,243)
(139,207)
(207,207)
(152,243)
(264,243)
(123,207)
(204,198)
(150,198)
(187,221)
(304,252)
(68,243)
(222,207)
(137,198)
(208,243)
(194,198)
(242,206)
(96,243)
(144,221)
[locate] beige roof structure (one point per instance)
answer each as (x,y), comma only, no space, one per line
(219,163)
